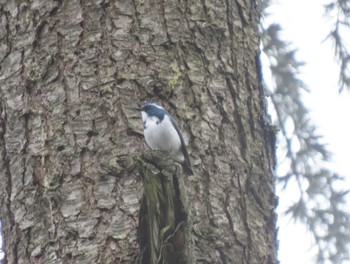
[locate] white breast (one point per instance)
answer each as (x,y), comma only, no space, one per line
(162,136)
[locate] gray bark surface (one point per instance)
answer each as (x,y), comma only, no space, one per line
(70,70)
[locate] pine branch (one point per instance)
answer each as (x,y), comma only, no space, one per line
(321,206)
(339,11)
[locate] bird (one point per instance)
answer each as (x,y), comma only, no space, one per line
(161,132)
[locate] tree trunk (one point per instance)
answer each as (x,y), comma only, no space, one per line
(70,70)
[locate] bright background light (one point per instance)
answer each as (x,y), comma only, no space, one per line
(303,23)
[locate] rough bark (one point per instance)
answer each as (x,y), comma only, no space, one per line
(69,70)
(165,227)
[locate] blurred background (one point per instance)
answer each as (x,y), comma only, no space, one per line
(306,71)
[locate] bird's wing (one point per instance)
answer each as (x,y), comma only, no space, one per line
(187,163)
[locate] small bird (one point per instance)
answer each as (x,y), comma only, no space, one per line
(162,133)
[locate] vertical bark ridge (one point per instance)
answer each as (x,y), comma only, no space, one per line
(165,229)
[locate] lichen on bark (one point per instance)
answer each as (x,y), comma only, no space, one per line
(165,228)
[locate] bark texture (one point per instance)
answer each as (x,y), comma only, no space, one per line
(69,70)
(165,227)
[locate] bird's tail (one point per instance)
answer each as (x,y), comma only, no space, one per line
(187,167)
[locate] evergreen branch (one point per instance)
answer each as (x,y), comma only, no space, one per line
(340,10)
(321,206)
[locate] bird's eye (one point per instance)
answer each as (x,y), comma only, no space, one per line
(157,122)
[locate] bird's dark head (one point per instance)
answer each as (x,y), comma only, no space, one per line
(153,110)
